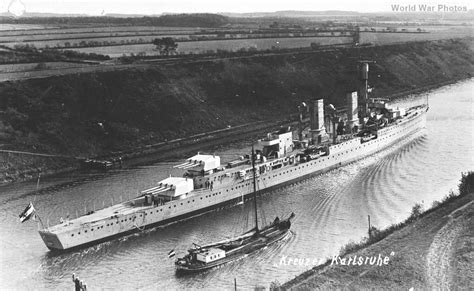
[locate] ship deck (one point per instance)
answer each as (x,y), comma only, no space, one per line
(98,216)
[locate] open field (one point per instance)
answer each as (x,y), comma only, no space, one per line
(40,40)
(33,38)
(258,44)
(87,42)
(92,39)
(196,47)
(214,45)
(413,28)
(115,46)
(116,41)
(15,28)
(39,29)
(381,38)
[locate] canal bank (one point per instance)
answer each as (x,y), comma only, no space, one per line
(429,250)
(102,114)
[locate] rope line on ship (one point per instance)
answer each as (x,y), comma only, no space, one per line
(262,210)
(272,204)
(143,222)
(140,229)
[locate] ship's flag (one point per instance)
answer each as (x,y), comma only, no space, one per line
(171,254)
(27,213)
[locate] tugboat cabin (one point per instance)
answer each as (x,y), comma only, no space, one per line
(209,255)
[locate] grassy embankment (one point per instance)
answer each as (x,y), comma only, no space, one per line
(97,113)
(431,249)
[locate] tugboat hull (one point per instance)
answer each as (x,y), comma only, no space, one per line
(264,238)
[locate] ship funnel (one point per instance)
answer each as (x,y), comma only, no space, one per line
(352,111)
(364,87)
(317,120)
(317,114)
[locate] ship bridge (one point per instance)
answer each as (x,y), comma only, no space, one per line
(277,144)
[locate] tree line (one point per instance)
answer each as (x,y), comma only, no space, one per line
(177,20)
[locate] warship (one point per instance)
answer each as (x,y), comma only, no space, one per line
(333,140)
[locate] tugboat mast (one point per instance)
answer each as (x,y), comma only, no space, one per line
(254,190)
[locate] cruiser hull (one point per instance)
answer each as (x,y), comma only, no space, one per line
(122,222)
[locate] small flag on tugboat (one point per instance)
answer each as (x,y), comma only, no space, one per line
(27,213)
(171,254)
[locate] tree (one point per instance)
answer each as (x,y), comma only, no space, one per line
(416,211)
(467,183)
(165,45)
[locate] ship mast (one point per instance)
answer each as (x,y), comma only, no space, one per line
(254,190)
(363,91)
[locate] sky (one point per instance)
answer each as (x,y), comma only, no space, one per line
(98,7)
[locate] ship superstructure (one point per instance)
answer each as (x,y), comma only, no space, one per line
(208,184)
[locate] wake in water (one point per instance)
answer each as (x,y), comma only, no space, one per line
(331,210)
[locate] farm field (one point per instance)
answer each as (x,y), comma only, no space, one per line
(80,36)
(258,44)
(414,28)
(14,29)
(75,41)
(381,38)
(229,45)
(196,47)
(117,41)
(91,39)
(100,36)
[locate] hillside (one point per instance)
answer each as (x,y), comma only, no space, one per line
(94,113)
(431,250)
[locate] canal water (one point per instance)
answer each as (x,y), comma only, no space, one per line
(331,210)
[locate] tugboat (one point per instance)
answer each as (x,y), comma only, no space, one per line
(200,258)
